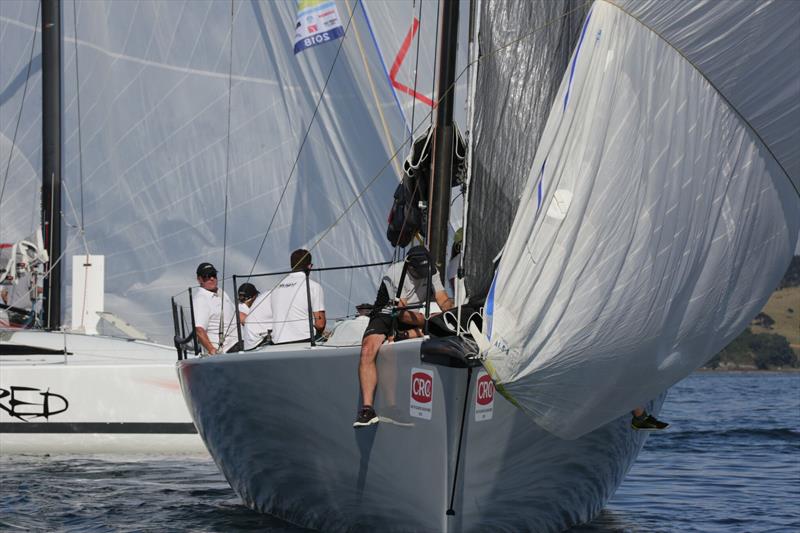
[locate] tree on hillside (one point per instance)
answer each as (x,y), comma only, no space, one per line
(763,350)
(771,350)
(764,320)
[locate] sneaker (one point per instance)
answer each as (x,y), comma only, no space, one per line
(366,417)
(647,423)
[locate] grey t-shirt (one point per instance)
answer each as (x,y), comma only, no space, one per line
(414,289)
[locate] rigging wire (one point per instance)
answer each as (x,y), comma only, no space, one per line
(435,70)
(78,101)
(398,252)
(305,136)
(407,140)
(21,105)
(395,154)
(82,229)
(429,115)
(227,179)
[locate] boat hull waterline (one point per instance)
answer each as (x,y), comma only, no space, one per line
(278,423)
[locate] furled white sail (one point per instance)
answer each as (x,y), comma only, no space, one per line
(154,90)
(671,207)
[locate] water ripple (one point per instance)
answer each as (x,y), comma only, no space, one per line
(729,463)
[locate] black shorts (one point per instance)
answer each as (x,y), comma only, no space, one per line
(381,324)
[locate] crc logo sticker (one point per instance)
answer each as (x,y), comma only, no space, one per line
(421,393)
(484,397)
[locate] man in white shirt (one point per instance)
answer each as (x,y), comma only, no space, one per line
(290,303)
(385,317)
(213,308)
(257,320)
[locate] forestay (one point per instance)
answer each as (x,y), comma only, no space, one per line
(670,211)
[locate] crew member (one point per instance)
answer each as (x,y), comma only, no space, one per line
(258,320)
(212,309)
(385,317)
(290,303)
(247,293)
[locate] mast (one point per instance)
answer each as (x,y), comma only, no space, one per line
(439,200)
(51,157)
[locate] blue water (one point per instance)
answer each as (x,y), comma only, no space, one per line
(729,462)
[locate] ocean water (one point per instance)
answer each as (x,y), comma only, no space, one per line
(729,462)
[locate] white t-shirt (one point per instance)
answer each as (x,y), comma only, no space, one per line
(207,309)
(290,307)
(258,321)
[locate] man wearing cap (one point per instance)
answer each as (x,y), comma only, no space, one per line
(214,313)
(257,319)
(385,317)
(247,293)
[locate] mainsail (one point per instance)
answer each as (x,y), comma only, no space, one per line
(20,125)
(670,168)
(153,181)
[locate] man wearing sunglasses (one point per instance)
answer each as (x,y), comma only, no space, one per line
(214,313)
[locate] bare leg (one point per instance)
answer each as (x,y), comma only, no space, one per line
(639,411)
(367,370)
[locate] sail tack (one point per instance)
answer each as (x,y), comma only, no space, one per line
(669,208)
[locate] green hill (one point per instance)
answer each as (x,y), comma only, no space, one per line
(772,340)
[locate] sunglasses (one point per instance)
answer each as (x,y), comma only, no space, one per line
(208,277)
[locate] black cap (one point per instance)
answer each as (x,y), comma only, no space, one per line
(247,290)
(206,269)
(418,259)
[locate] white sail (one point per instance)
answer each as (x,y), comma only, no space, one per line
(20,125)
(154,89)
(671,164)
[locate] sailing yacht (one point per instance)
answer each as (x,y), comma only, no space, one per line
(658,207)
(73,391)
(148,164)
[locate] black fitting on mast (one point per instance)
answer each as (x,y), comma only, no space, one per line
(51,158)
(439,213)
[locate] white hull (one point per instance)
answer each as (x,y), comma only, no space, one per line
(279,425)
(106,395)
